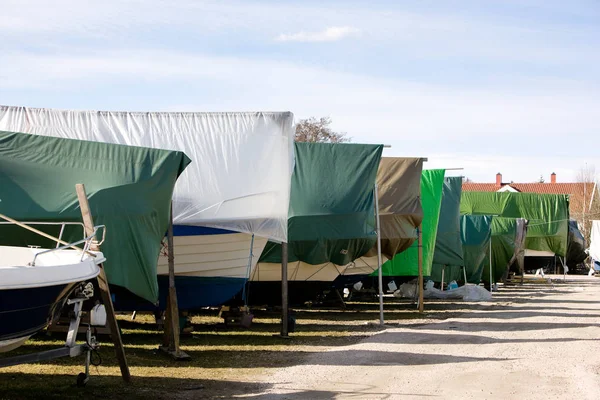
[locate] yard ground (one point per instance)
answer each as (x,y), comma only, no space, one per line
(533,341)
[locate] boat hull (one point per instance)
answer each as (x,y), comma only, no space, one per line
(193,293)
(34,286)
(24,312)
(211,267)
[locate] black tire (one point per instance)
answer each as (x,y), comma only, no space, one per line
(81,379)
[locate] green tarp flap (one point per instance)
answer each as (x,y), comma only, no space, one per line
(407,262)
(476,234)
(129,190)
(448,254)
(548,215)
(331,215)
(504,236)
(400,211)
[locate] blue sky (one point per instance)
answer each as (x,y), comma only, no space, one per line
(507,86)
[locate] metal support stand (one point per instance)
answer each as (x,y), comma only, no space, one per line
(284,290)
(248,271)
(70,349)
(565,268)
(443,273)
(115,333)
(379,260)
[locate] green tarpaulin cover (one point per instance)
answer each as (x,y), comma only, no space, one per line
(448,253)
(331,215)
(504,236)
(407,262)
(129,190)
(476,234)
(548,215)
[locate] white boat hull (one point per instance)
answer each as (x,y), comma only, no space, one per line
(32,295)
(221,255)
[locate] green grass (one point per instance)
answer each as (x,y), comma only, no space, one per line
(225,361)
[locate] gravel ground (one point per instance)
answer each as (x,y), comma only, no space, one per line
(536,341)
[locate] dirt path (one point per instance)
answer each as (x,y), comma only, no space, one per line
(535,342)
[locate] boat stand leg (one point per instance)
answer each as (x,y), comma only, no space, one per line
(340,298)
(74,324)
(84,377)
(115,333)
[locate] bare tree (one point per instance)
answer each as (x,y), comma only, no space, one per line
(318,130)
(590,208)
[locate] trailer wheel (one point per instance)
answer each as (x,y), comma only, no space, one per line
(82,379)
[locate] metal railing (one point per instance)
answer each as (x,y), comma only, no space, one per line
(86,247)
(61,224)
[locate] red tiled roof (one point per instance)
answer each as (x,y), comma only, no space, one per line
(576,190)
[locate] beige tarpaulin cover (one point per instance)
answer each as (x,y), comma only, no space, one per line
(400,211)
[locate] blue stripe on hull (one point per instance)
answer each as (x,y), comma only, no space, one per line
(26,311)
(184,230)
(193,292)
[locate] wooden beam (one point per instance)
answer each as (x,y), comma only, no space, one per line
(420,234)
(172,329)
(284,290)
(115,333)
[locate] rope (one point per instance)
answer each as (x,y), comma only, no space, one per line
(94,351)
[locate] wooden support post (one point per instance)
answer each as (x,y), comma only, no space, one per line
(379,260)
(420,235)
(172,329)
(284,289)
(491,270)
(115,333)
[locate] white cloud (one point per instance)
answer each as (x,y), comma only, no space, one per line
(331,34)
(226,61)
(414,35)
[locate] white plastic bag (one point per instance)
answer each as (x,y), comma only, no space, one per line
(406,290)
(468,292)
(475,293)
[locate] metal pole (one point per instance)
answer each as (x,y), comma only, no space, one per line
(244,293)
(379,261)
(420,262)
(284,289)
(443,271)
(491,290)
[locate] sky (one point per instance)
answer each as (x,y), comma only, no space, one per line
(508,86)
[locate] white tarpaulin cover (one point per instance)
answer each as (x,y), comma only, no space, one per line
(595,241)
(242,163)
